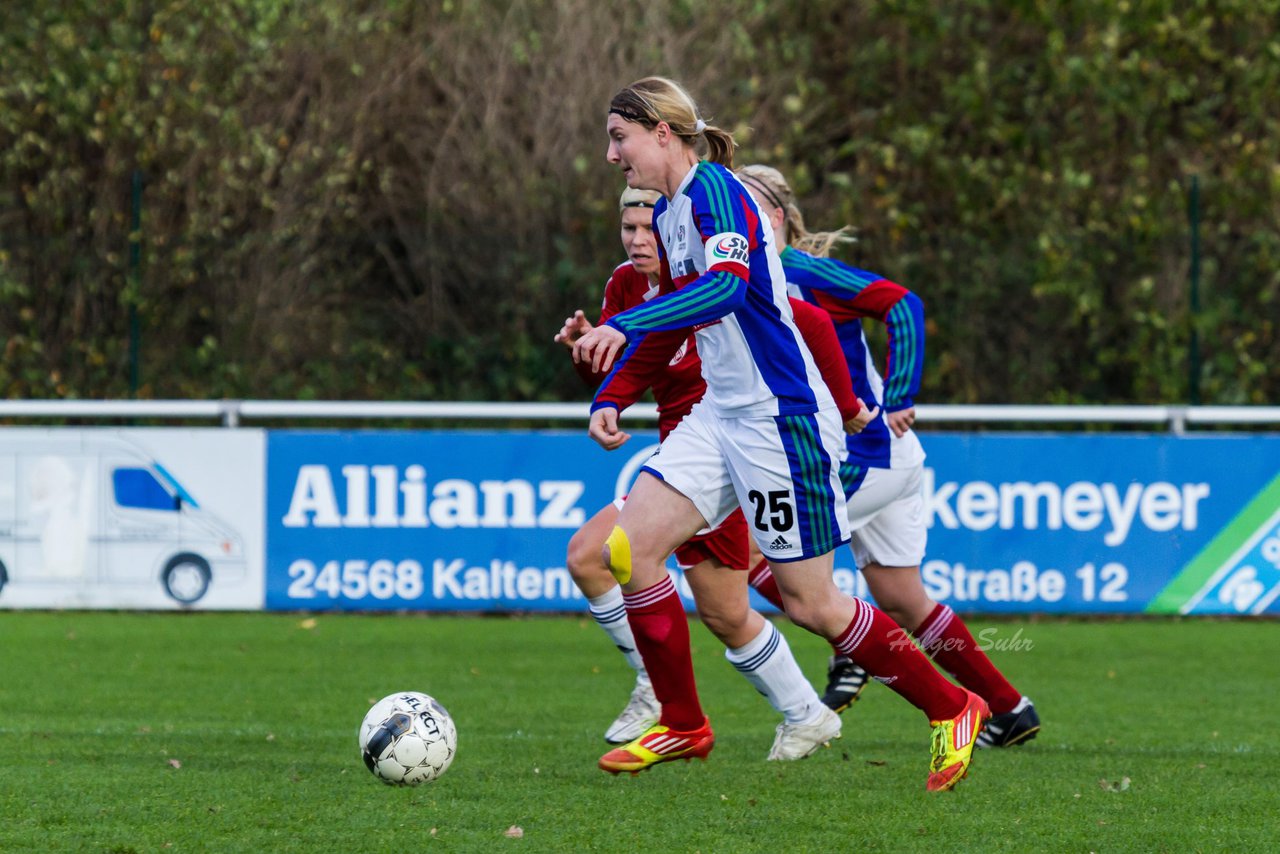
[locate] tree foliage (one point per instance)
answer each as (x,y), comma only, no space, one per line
(346,199)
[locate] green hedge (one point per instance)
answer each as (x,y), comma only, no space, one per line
(389,201)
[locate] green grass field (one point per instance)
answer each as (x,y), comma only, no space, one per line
(236,732)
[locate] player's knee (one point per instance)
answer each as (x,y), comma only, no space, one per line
(583,559)
(617,555)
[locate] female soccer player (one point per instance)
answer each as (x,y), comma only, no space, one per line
(765,436)
(715,562)
(883,475)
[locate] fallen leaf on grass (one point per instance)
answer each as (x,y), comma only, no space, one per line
(1108,786)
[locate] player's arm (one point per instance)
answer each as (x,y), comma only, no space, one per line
(902,312)
(640,366)
(849,294)
(711,296)
(636,371)
(820,334)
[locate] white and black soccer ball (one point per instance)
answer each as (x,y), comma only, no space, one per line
(408,738)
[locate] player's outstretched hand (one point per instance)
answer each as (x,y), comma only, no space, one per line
(900,422)
(865,416)
(604,429)
(574,328)
(600,347)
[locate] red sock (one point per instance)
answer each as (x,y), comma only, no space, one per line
(661,630)
(761,578)
(945,636)
(879,646)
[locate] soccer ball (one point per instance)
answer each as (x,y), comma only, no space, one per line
(408,738)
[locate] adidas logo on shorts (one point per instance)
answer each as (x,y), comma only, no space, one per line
(780,543)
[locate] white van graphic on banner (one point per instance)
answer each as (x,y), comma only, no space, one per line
(93,518)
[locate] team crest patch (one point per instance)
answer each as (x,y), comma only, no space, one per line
(681,353)
(727,247)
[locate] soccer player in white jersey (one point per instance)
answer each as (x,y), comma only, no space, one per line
(767,436)
(883,475)
(716,562)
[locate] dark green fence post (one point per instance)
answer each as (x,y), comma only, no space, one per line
(135,280)
(1193,362)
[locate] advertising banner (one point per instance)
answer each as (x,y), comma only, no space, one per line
(480,520)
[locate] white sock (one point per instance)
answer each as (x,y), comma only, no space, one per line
(611,615)
(768,664)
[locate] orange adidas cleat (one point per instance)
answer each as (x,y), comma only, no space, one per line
(659,744)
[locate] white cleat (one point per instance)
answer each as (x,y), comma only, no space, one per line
(642,711)
(796,741)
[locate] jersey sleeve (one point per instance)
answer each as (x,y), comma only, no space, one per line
(848,295)
(639,367)
(820,334)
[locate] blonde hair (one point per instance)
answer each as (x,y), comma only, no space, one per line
(774,187)
(633,198)
(657,99)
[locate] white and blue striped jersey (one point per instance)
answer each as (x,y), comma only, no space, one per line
(722,276)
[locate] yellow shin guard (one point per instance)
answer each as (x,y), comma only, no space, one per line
(619,555)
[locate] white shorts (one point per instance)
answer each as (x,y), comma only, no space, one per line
(782,470)
(886,515)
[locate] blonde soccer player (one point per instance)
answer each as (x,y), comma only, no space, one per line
(715,562)
(767,436)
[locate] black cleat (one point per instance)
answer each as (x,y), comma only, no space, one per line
(845,681)
(1011,728)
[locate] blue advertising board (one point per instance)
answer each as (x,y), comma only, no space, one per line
(456,520)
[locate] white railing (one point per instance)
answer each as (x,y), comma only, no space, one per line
(232,413)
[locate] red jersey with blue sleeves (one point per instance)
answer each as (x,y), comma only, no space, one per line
(723,277)
(848,295)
